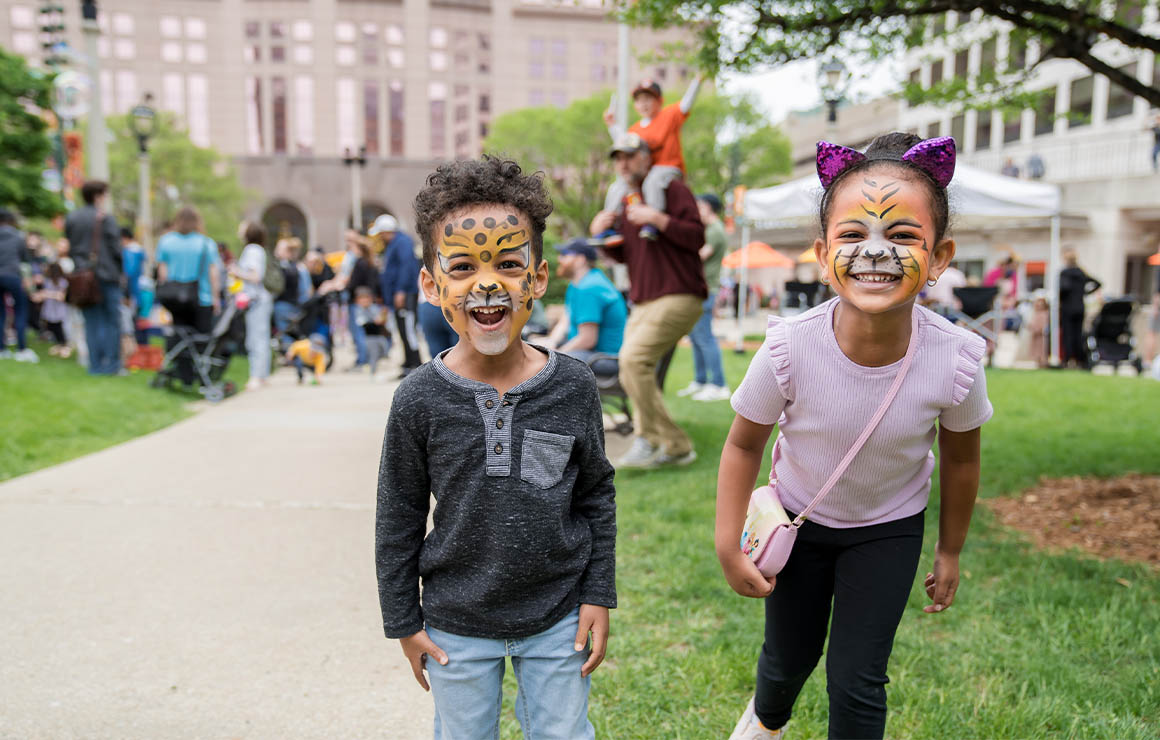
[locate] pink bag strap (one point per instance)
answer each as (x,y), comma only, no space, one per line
(861,441)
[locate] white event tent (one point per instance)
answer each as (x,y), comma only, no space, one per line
(976,198)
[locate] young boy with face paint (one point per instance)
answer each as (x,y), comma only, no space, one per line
(509,440)
(820,377)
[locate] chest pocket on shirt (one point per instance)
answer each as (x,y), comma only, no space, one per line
(544,457)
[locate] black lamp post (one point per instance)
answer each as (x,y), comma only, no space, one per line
(355,162)
(144,121)
(833,79)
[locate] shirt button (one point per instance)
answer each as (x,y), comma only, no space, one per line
(499,423)
(499,449)
(507,403)
(489,403)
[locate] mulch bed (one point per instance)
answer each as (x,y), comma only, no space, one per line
(1110,518)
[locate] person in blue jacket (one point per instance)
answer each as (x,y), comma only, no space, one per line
(400,284)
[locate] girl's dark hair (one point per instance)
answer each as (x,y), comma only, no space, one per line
(254,233)
(488,180)
(889,149)
(54,271)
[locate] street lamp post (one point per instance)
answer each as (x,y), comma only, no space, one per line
(355,162)
(833,79)
(144,120)
(97,147)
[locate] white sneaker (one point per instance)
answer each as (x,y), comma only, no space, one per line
(712,392)
(750,728)
(5,354)
(690,389)
(666,459)
(642,454)
(26,355)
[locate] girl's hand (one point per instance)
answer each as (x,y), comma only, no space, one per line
(417,647)
(594,620)
(744,577)
(942,583)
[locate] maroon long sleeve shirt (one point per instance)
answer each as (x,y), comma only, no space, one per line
(671,265)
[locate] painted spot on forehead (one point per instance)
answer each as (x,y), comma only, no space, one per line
(511,219)
(489,222)
(468,223)
(448,229)
(484,256)
(481,238)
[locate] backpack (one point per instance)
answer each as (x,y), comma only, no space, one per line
(273,280)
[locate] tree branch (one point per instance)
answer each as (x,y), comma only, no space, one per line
(1075,18)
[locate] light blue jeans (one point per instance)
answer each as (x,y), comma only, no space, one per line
(552,702)
(707,367)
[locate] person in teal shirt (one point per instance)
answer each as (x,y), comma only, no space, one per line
(595,312)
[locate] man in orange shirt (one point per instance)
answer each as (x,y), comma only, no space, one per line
(660,127)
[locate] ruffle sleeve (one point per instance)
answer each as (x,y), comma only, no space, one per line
(777,338)
(968,364)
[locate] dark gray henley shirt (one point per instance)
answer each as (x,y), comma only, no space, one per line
(525,511)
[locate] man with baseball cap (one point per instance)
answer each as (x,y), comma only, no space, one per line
(659,128)
(400,284)
(594,311)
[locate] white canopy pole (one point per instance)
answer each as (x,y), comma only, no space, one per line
(1052,283)
(742,287)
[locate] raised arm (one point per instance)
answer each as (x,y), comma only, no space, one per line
(691,94)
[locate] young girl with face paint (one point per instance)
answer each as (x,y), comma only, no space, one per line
(509,440)
(820,377)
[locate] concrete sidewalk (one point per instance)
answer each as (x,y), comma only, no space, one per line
(211,580)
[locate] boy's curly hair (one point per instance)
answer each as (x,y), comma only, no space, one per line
(471,182)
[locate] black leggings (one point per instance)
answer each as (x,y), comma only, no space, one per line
(56,328)
(866,574)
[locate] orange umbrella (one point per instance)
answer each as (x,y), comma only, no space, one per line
(807,256)
(757,255)
(1154,259)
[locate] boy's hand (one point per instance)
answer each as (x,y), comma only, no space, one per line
(593,619)
(609,117)
(942,582)
(602,222)
(417,647)
(639,213)
(744,577)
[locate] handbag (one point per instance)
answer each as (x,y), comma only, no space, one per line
(84,290)
(768,536)
(181,295)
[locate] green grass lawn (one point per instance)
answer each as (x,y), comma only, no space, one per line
(54,411)
(1036,646)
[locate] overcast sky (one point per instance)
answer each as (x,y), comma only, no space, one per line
(795,86)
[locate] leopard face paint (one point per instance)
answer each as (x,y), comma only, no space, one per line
(879,241)
(485,276)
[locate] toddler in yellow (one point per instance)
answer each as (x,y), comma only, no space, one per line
(312,352)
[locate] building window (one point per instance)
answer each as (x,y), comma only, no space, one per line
(485,103)
(936,72)
(277,30)
(438,61)
(535,97)
(394,34)
(536,70)
(170,27)
(195,53)
(124,49)
(437,93)
(395,111)
(345,56)
(1080,113)
(599,49)
(983,131)
(438,37)
(304,115)
(302,31)
(198,117)
(371,116)
(462,61)
(483,130)
(194,28)
(126,89)
(961,64)
(347,104)
(461,113)
(26,43)
(278,54)
(958,127)
(173,93)
(370,44)
(536,47)
(599,73)
(559,98)
(1016,54)
(255,143)
(171,52)
(559,48)
(344,32)
(661,73)
(1012,126)
(252,53)
(123,24)
(304,55)
(395,58)
(988,54)
(559,71)
(940,23)
(278,98)
(1045,115)
(1120,101)
(22,17)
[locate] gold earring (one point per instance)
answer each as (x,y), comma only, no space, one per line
(825,282)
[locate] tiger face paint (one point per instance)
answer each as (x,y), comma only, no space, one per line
(484,277)
(879,242)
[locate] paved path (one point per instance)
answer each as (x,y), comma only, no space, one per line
(212,580)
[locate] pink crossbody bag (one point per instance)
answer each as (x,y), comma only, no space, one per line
(769,534)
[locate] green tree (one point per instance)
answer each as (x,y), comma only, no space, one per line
(571,147)
(743,34)
(24,142)
(181,173)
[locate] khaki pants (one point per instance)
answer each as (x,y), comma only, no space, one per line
(653,329)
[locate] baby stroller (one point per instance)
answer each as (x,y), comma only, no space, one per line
(1110,339)
(312,319)
(202,359)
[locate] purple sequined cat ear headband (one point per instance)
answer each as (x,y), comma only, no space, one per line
(936,157)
